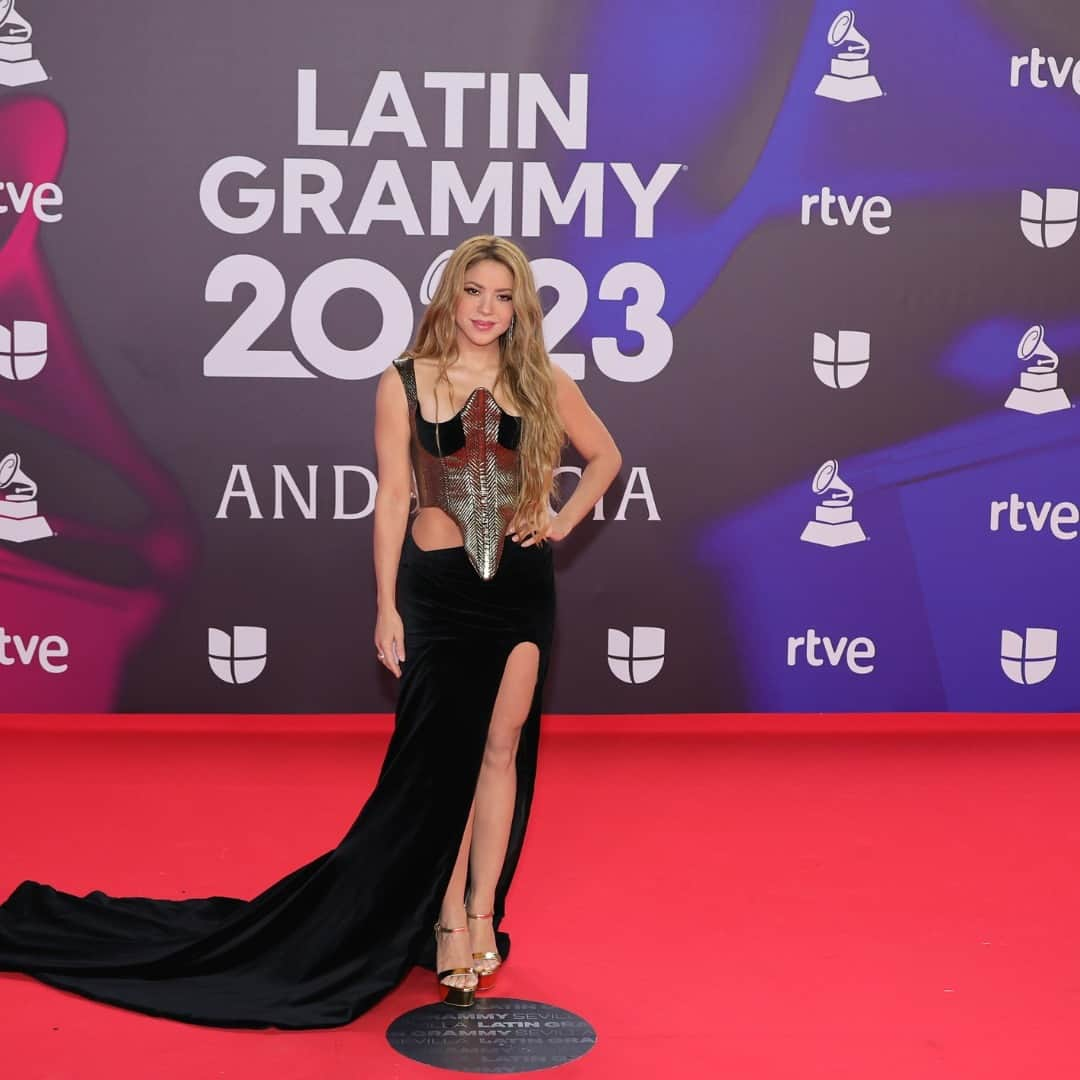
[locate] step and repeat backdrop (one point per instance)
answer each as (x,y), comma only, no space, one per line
(816,269)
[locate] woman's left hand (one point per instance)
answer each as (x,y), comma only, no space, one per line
(555,529)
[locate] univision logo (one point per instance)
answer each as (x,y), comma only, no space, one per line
(638,656)
(1049,220)
(23,350)
(842,362)
(239,657)
(1029,659)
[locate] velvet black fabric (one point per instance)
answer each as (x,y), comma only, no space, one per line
(334,936)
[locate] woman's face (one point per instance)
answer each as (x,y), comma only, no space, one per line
(486,304)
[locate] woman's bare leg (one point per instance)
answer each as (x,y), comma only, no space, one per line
(496,790)
(455,950)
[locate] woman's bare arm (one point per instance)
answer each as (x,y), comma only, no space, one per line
(392,500)
(593,442)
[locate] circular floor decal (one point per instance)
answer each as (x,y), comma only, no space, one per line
(496,1035)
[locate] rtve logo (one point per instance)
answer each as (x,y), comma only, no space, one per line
(238,657)
(36,199)
(842,362)
(1049,221)
(851,653)
(23,350)
(868,212)
(1029,659)
(638,656)
(43,651)
(1062,72)
(1024,516)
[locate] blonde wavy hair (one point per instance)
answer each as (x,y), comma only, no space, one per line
(525,367)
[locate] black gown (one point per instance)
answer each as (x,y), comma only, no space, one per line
(333,937)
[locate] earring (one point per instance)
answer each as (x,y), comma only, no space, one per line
(510,331)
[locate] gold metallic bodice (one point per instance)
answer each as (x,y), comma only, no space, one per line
(475,483)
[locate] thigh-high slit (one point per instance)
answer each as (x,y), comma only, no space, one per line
(327,941)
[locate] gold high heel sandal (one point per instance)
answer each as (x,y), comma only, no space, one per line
(485,979)
(463,996)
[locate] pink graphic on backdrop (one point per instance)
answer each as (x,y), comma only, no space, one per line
(68,407)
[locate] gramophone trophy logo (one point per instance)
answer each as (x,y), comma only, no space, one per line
(834,523)
(849,77)
(19,517)
(17,64)
(1038,391)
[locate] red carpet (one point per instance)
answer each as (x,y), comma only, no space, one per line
(814,902)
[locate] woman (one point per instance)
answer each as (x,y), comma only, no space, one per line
(330,939)
(478,606)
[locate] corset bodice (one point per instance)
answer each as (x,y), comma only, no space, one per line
(467,465)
